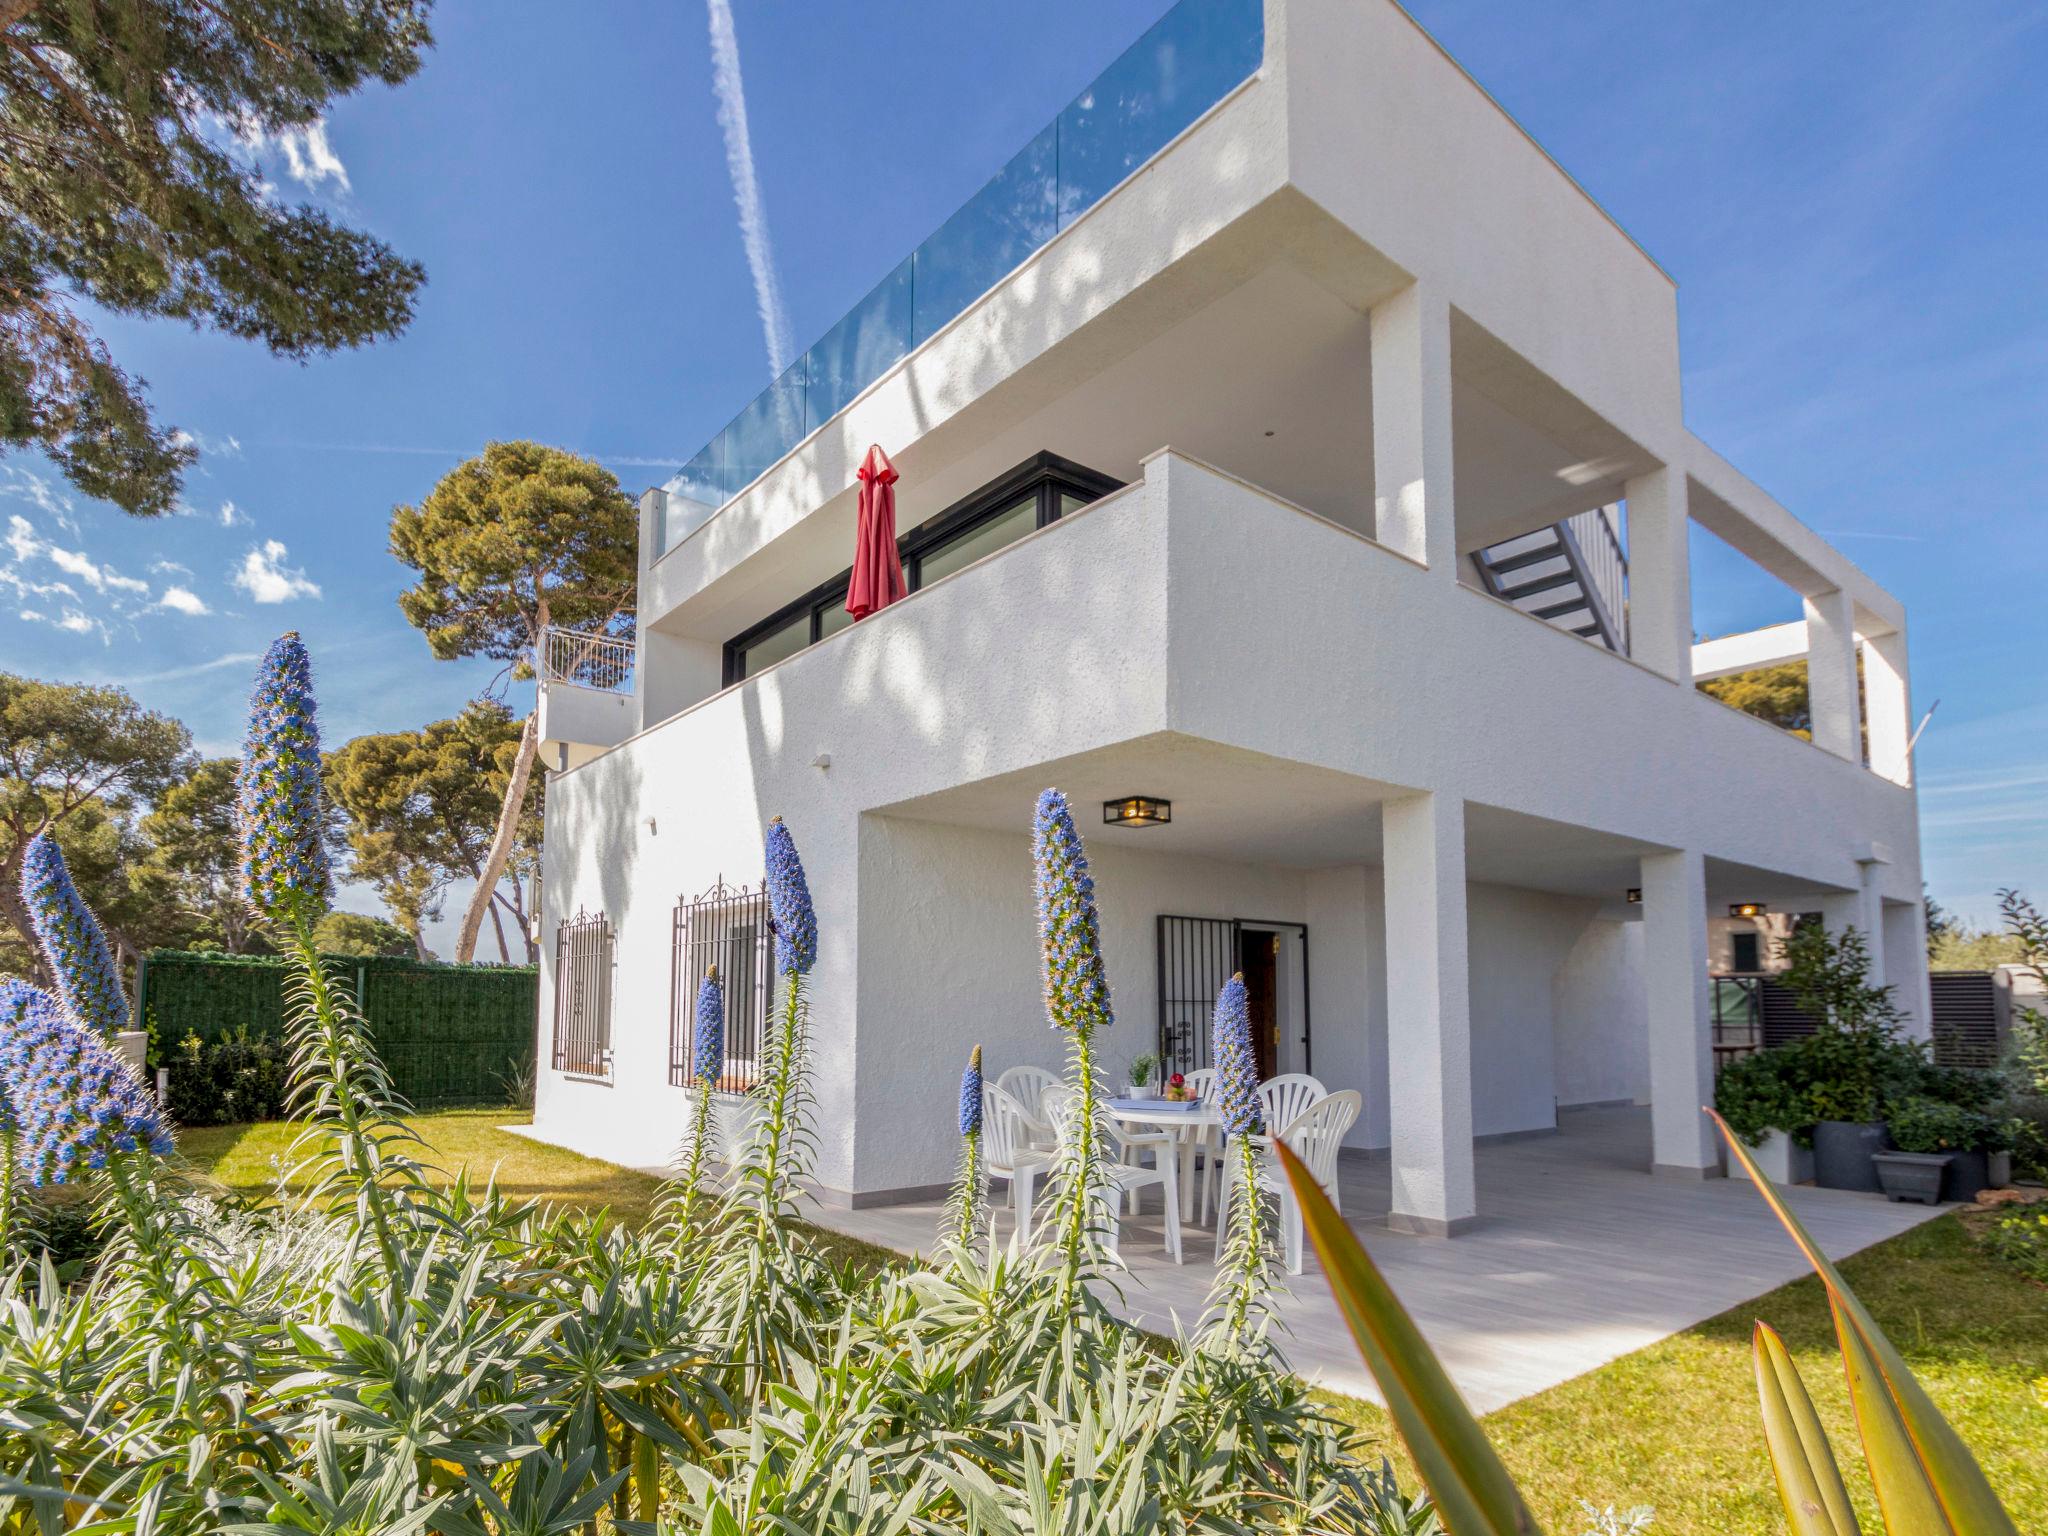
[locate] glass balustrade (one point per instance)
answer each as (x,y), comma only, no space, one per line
(1190,59)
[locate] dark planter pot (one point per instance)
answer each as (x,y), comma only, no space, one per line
(1913,1175)
(1842,1153)
(1968,1172)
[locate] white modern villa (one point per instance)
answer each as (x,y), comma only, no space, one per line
(1287,439)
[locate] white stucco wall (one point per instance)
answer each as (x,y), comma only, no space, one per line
(1140,619)
(1600,1050)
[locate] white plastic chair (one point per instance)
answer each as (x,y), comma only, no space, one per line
(1009,1154)
(1283,1099)
(1126,1178)
(1027,1085)
(1315,1137)
(1204,1142)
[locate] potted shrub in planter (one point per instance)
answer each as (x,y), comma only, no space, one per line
(1913,1175)
(1854,1055)
(1963,1137)
(1763,1099)
(1143,1069)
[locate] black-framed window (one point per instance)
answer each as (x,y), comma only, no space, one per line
(1041,490)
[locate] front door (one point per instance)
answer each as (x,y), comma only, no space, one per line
(1258,957)
(1198,954)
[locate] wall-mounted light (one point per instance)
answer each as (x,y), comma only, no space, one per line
(1747,909)
(1137,811)
(1635,895)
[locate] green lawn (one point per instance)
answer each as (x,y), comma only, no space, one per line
(244,1158)
(1673,1425)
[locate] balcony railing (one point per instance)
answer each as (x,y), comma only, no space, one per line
(1194,56)
(586,660)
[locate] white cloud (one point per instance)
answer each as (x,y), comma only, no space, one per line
(310,158)
(229,447)
(169,568)
(101,578)
(26,485)
(71,620)
(267,579)
(184,600)
(21,538)
(232,516)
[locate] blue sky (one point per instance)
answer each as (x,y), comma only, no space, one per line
(1850,197)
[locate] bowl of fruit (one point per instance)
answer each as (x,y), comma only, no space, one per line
(1177,1089)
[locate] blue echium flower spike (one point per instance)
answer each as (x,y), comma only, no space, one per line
(1070,935)
(1237,1065)
(707,1042)
(284,861)
(789,898)
(970,1095)
(88,981)
(75,1102)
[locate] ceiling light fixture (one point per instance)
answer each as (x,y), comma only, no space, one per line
(1137,811)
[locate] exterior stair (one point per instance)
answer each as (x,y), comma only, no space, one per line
(1572,574)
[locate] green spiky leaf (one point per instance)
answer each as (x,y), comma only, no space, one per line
(1809,1482)
(1473,1493)
(1904,1434)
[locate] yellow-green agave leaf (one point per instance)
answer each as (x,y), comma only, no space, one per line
(1473,1493)
(1809,1482)
(1894,1414)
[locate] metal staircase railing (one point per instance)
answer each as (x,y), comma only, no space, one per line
(1571,574)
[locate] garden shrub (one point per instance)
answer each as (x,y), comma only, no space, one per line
(1928,1125)
(2019,1237)
(227,1082)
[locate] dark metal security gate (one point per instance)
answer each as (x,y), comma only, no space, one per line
(583,996)
(1196,956)
(730,928)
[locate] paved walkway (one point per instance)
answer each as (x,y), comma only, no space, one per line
(1580,1257)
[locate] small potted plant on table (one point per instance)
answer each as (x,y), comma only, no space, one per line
(1143,1068)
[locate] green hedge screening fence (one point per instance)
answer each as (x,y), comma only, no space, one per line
(449,1034)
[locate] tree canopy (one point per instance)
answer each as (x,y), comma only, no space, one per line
(128,186)
(67,747)
(1776,694)
(422,806)
(194,856)
(353,933)
(521,537)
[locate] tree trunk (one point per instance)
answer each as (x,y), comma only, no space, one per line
(516,906)
(501,840)
(15,910)
(498,927)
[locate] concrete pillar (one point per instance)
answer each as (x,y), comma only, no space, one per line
(1870,918)
(1413,511)
(1888,701)
(1905,958)
(1660,573)
(1681,1020)
(1429,1018)
(1832,696)
(1863,910)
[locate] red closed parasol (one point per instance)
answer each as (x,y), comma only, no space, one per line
(877,570)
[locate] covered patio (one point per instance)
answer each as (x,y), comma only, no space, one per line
(1576,1258)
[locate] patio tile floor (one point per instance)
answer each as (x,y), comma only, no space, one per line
(1579,1257)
